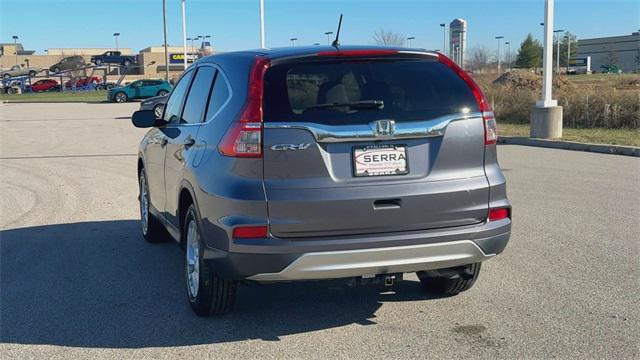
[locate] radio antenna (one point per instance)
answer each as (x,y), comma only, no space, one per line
(336,42)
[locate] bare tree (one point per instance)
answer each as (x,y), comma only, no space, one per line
(384,37)
(479,59)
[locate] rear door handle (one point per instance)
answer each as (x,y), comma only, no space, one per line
(386,204)
(189,143)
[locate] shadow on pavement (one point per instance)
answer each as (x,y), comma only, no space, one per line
(99,284)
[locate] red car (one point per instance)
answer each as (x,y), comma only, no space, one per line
(84,81)
(44,85)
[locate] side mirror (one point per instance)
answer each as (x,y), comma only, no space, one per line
(146,119)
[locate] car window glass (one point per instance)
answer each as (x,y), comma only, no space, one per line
(196,103)
(219,96)
(172,108)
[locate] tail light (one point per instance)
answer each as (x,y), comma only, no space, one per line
(499,214)
(490,126)
(250,232)
(244,138)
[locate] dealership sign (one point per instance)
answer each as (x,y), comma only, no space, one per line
(179,58)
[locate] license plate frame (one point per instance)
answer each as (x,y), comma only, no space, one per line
(359,151)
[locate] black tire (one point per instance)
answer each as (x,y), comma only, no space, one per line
(6,76)
(33,73)
(120,97)
(126,63)
(153,232)
(98,62)
(214,295)
(451,281)
(56,69)
(162,92)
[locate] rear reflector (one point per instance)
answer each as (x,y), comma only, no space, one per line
(490,126)
(244,138)
(499,214)
(364,52)
(250,232)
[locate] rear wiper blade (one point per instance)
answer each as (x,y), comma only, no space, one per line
(359,105)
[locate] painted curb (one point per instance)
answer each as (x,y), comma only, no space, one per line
(570,145)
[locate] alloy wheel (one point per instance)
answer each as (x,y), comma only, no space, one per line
(193,258)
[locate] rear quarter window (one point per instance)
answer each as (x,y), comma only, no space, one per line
(411,89)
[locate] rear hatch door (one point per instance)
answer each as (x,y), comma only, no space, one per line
(371,144)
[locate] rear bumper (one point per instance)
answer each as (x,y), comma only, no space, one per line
(316,259)
(401,259)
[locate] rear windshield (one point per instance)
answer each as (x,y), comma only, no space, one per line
(399,89)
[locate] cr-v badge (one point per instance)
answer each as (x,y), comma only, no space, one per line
(284,147)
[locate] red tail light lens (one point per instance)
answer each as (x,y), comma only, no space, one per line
(490,126)
(499,214)
(250,232)
(244,138)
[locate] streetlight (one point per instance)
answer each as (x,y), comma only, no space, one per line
(293,41)
(15,46)
(499,38)
(568,50)
(184,33)
(115,35)
(166,51)
(444,38)
(409,39)
(508,43)
(262,40)
(558,52)
(328,33)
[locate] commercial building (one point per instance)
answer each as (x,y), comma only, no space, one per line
(621,51)
(458,40)
(151,60)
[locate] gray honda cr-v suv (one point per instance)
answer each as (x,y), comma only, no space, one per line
(323,163)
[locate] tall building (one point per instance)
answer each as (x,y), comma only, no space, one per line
(458,40)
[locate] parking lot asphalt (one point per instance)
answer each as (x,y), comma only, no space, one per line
(78,281)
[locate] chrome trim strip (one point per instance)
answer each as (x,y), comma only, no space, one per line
(403,130)
(398,259)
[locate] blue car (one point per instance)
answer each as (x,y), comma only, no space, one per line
(139,89)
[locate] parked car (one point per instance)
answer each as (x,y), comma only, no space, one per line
(113,57)
(20,70)
(95,80)
(156,104)
(45,85)
(139,89)
(313,163)
(69,63)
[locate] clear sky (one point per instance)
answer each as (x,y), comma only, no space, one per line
(233,24)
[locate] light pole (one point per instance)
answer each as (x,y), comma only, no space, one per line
(115,35)
(546,117)
(262,40)
(444,38)
(409,39)
(15,46)
(568,49)
(184,33)
(558,52)
(461,48)
(508,43)
(293,41)
(166,51)
(328,33)
(499,38)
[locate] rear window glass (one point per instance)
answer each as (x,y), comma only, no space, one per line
(409,90)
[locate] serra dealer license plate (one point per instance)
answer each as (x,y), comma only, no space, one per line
(380,160)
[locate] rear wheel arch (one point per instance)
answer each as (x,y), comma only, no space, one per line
(185,200)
